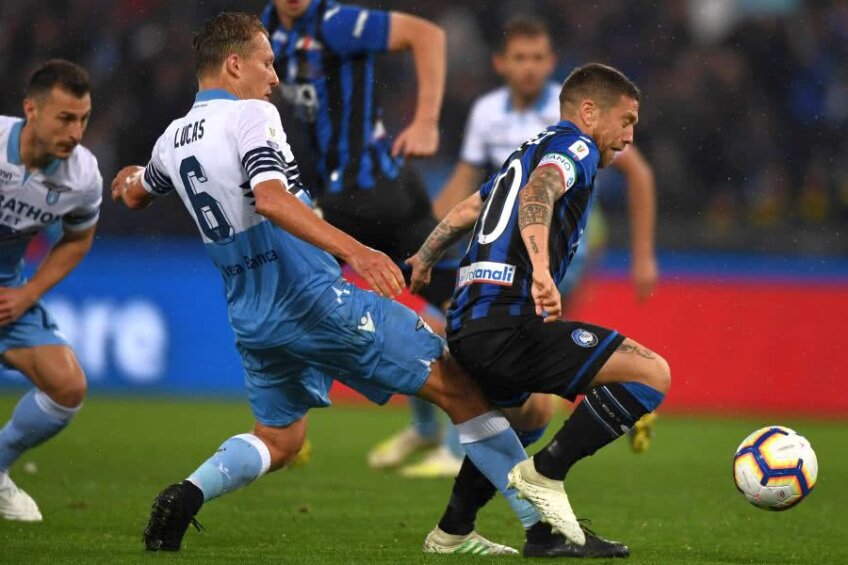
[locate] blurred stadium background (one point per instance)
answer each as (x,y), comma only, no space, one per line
(744,118)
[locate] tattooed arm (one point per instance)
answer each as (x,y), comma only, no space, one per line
(535,209)
(449,231)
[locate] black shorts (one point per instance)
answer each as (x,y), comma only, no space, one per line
(394,217)
(511,357)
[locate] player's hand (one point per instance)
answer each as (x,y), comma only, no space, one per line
(420,276)
(645,274)
(380,272)
(419,139)
(14,301)
(546,296)
(124,177)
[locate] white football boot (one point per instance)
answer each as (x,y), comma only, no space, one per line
(549,498)
(396,449)
(438,541)
(15,504)
(439,463)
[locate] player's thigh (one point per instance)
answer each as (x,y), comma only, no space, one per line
(51,368)
(527,355)
(372,344)
(633,362)
(450,388)
(534,414)
(281,388)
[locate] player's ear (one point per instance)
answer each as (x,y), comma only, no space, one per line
(588,112)
(499,63)
(30,108)
(232,65)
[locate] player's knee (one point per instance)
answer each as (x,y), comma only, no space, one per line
(660,375)
(69,392)
(536,413)
(451,389)
(283,443)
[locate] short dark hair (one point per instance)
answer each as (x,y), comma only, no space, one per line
(58,72)
(522,26)
(601,83)
(223,35)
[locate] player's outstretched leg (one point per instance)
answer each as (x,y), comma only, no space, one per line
(239,461)
(494,448)
(40,414)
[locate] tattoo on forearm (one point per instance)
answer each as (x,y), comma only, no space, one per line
(533,244)
(440,239)
(536,200)
(640,351)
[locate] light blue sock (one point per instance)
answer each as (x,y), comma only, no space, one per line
(239,461)
(35,419)
(494,449)
(451,441)
(425,417)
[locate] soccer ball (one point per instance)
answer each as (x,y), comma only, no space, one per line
(775,468)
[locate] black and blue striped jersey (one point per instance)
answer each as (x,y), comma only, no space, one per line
(495,275)
(326,67)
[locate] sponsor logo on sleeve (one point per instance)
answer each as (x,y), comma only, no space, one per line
(273,136)
(486,272)
(579,149)
(565,166)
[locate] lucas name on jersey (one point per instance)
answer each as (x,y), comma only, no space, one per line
(188,133)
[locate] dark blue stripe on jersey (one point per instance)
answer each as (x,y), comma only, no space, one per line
(158,181)
(342,128)
(365,175)
(73,219)
(261,160)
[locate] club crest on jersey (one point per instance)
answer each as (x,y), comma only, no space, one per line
(53,192)
(584,338)
(579,149)
(486,272)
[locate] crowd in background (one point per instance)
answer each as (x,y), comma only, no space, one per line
(744,112)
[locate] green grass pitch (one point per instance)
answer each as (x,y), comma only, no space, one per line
(675,504)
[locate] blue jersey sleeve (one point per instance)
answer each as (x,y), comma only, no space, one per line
(352,30)
(576,157)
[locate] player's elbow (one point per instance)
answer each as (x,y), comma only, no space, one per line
(411,32)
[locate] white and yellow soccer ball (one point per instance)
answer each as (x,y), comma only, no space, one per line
(775,468)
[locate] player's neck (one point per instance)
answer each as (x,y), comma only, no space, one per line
(581,125)
(33,155)
(523,102)
(287,21)
(217,84)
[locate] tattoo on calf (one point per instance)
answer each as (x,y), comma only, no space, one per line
(640,351)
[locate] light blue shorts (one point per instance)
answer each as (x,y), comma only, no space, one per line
(372,344)
(35,327)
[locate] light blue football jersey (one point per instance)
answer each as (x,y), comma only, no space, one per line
(277,285)
(69,190)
